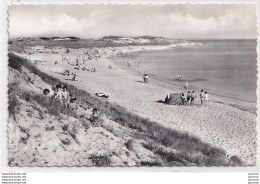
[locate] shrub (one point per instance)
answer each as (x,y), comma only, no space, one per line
(65,127)
(15,62)
(100,160)
(150,163)
(49,128)
(130,144)
(24,139)
(65,141)
(12,104)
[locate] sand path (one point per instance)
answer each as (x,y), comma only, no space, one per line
(218,124)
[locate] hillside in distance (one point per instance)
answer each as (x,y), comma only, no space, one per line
(107,41)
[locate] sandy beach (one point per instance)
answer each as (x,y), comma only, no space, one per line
(220,124)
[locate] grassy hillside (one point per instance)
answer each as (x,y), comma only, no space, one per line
(73,42)
(44,132)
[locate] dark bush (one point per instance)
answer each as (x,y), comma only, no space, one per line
(150,163)
(100,160)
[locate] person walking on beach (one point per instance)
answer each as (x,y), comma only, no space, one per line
(146,77)
(188,98)
(193,96)
(206,99)
(202,97)
(186,85)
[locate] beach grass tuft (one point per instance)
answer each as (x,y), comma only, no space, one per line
(100,160)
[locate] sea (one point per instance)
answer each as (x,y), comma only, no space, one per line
(225,68)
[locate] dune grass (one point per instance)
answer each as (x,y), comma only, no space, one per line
(187,145)
(100,160)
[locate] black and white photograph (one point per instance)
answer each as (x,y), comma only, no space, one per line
(132,85)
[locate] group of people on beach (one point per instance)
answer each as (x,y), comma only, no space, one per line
(62,95)
(204,98)
(189,98)
(73,74)
(179,77)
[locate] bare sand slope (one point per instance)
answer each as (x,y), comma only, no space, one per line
(219,124)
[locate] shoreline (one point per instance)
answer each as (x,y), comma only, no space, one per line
(219,124)
(247,105)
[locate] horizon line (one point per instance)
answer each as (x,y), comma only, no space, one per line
(134,37)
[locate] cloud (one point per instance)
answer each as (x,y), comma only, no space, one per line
(176,21)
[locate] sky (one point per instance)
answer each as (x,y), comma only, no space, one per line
(184,21)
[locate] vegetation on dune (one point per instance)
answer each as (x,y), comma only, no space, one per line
(190,150)
(74,42)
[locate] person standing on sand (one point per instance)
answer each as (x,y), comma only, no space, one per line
(65,96)
(188,98)
(58,92)
(182,98)
(94,117)
(206,99)
(202,97)
(74,76)
(146,77)
(193,96)
(186,85)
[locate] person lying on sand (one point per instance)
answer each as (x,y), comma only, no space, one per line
(93,69)
(66,73)
(84,68)
(103,95)
(77,67)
